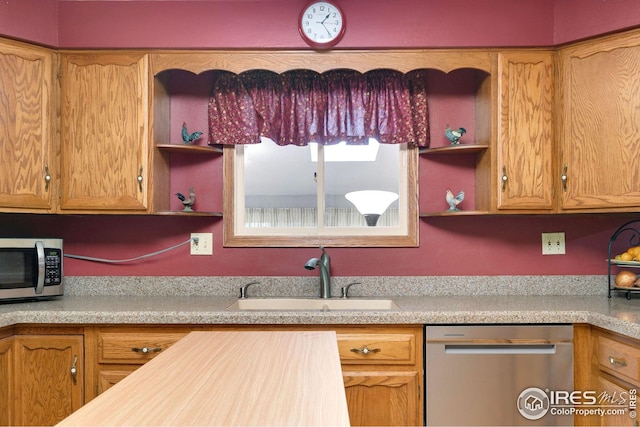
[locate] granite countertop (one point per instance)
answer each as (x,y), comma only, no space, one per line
(616,314)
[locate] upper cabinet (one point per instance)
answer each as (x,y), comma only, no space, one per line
(104,132)
(29,173)
(524,152)
(599,124)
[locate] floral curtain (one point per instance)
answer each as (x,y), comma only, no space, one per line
(302,106)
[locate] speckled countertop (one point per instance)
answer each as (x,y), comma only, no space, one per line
(158,307)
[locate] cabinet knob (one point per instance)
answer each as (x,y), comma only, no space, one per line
(617,362)
(563,178)
(74,370)
(140,179)
(47,177)
(364,350)
(504,177)
(146,350)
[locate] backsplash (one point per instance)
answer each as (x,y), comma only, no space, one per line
(378,286)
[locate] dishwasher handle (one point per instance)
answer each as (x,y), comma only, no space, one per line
(500,348)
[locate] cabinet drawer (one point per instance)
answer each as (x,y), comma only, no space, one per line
(133,347)
(377,348)
(619,359)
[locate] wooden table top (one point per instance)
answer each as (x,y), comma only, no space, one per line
(229,378)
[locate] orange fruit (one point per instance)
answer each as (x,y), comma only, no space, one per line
(634,251)
(626,256)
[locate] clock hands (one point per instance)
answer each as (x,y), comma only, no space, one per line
(325,27)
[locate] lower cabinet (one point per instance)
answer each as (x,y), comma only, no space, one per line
(616,378)
(382,366)
(115,352)
(41,378)
(382,372)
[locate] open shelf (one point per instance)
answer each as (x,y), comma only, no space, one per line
(455,149)
(182,213)
(195,149)
(454,213)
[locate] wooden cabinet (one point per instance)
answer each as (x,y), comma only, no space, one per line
(382,376)
(525,178)
(104,131)
(42,379)
(6,381)
(115,352)
(382,366)
(616,378)
(599,133)
(29,173)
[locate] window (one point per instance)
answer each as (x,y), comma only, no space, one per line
(286,196)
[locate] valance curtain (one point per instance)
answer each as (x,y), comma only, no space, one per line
(302,106)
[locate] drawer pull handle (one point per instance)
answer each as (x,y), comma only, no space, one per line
(146,350)
(617,362)
(74,370)
(365,350)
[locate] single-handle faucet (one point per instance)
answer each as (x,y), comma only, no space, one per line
(324,262)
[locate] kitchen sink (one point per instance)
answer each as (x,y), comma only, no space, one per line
(332,304)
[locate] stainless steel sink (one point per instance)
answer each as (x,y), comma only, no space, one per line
(331,304)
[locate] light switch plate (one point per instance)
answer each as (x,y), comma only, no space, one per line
(204,245)
(553,244)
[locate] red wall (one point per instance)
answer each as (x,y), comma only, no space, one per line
(448,246)
(32,20)
(271,23)
(492,245)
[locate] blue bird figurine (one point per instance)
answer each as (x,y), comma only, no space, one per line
(187,137)
(454,201)
(188,202)
(454,135)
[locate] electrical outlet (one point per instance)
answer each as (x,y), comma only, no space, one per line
(553,244)
(204,244)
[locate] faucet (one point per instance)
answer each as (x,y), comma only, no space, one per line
(324,262)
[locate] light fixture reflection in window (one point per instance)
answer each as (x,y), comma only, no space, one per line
(371,203)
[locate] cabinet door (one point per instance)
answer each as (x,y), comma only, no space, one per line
(46,389)
(6,381)
(383,398)
(600,124)
(105,152)
(525,138)
(616,398)
(26,146)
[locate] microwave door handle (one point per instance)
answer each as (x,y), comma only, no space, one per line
(40,282)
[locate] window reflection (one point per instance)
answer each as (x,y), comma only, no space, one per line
(285,187)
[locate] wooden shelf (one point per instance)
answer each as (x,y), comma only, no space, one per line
(455,149)
(195,149)
(456,213)
(183,213)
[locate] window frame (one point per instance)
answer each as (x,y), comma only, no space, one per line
(234,236)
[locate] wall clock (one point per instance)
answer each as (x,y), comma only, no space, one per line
(321,24)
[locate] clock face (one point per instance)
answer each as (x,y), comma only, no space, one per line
(321,24)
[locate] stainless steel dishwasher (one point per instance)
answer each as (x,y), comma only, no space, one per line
(498,375)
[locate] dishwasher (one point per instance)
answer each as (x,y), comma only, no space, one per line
(498,375)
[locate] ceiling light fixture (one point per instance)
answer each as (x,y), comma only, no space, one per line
(371,203)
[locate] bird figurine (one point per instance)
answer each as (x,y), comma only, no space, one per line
(188,203)
(454,135)
(454,201)
(187,137)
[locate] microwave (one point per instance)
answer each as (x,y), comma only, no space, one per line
(30,268)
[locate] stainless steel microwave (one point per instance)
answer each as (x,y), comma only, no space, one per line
(30,268)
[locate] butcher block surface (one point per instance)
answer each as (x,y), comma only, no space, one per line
(227,379)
